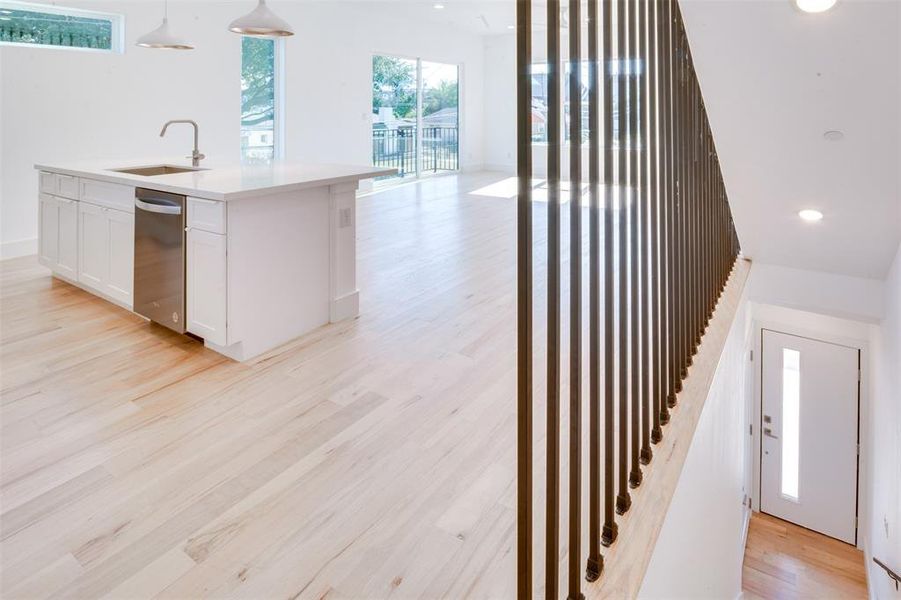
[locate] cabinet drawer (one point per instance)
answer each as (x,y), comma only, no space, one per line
(47,182)
(67,186)
(206,215)
(112,195)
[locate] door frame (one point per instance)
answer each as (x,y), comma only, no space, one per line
(831,335)
(460,97)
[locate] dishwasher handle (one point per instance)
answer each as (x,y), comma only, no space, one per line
(158,206)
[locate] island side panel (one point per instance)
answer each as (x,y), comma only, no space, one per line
(343,293)
(278,253)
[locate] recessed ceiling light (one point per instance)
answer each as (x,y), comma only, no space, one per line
(438,6)
(815,6)
(834,135)
(810,215)
(511,26)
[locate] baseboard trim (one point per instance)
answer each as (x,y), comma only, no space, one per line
(18,248)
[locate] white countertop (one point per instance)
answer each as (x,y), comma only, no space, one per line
(221,182)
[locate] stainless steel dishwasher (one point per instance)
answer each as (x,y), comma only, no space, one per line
(160,257)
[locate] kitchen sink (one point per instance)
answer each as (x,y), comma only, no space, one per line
(152,170)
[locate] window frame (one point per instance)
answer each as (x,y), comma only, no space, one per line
(278,117)
(117,23)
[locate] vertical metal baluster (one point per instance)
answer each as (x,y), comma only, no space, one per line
(664,24)
(649,227)
(675,240)
(609,532)
(595,561)
(552,540)
(659,182)
(634,253)
(575,301)
(678,208)
(623,499)
(524,299)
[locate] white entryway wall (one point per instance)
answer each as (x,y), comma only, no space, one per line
(882,525)
(699,551)
(871,320)
(58,105)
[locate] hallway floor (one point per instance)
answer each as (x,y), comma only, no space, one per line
(783,560)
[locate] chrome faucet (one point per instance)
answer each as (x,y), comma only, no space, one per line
(195,155)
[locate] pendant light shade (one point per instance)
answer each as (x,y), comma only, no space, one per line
(162,37)
(261,22)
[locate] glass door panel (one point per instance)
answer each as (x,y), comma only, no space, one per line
(394,114)
(440,118)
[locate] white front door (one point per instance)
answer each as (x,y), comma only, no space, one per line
(809,422)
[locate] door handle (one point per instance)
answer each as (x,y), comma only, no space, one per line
(769,433)
(166,209)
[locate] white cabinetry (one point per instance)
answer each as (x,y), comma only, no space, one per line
(48,233)
(106,251)
(206,275)
(120,277)
(58,243)
(207,270)
(67,241)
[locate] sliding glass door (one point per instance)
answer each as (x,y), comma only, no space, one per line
(415,116)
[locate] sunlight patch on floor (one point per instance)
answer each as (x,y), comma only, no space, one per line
(506,188)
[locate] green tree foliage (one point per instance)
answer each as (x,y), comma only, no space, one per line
(394,85)
(257,81)
(444,95)
(30,27)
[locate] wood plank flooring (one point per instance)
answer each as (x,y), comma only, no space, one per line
(783,560)
(372,458)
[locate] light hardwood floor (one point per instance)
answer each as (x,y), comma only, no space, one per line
(372,458)
(783,560)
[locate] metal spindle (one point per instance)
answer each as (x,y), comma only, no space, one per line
(552,522)
(609,532)
(524,299)
(595,561)
(623,499)
(575,301)
(634,255)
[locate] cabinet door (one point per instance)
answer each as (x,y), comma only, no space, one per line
(121,235)
(93,246)
(67,258)
(206,275)
(48,243)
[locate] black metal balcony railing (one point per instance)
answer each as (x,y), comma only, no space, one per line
(396,148)
(669,246)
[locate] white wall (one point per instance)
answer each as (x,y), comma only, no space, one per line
(500,85)
(882,523)
(700,548)
(500,105)
(826,293)
(60,105)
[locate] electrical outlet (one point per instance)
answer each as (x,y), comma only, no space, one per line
(344,217)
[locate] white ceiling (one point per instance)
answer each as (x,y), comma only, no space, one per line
(774,80)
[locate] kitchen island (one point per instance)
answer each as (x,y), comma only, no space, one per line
(269,251)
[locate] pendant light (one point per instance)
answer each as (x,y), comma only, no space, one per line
(261,22)
(162,37)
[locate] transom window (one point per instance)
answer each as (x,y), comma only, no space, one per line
(44,25)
